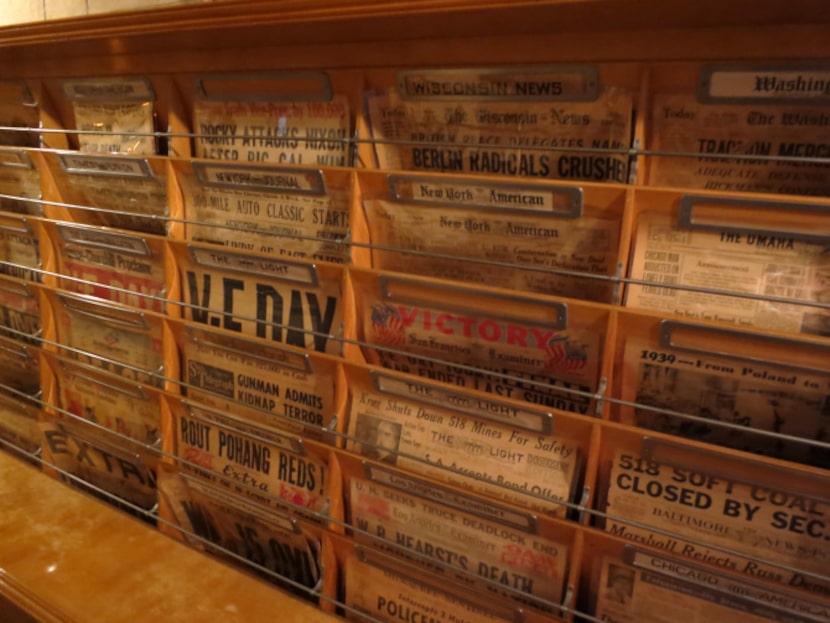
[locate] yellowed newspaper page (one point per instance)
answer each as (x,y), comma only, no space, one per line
(657,589)
(708,132)
(461,220)
(493,127)
(751,519)
(101,461)
(757,396)
(115,191)
(766,265)
(267,461)
(545,362)
(501,554)
(290,302)
(491,447)
(266,538)
(390,595)
(18,423)
(303,133)
(267,385)
(285,212)
(128,409)
(117,267)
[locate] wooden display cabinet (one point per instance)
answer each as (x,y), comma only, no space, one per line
(67,558)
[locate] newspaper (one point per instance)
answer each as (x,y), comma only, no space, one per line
(707,132)
(127,343)
(264,384)
(284,301)
(752,519)
(141,205)
(387,593)
(758,396)
(283,212)
(498,554)
(266,461)
(114,191)
(122,107)
(19,248)
(534,243)
(125,408)
(547,364)
(99,461)
(312,133)
(19,180)
(212,518)
(665,590)
(115,267)
(767,265)
(19,312)
(527,137)
(19,366)
(18,423)
(483,445)
(129,127)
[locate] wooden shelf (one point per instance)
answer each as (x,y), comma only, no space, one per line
(562,29)
(68,558)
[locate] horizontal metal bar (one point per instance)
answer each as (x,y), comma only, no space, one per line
(632,152)
(444,256)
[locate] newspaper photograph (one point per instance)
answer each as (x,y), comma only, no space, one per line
(482,445)
(263,384)
(18,423)
(19,248)
(756,396)
(269,462)
(665,590)
(226,521)
(533,243)
(311,133)
(19,366)
(103,463)
(498,554)
(119,192)
(283,212)
(432,128)
(381,589)
(285,301)
(708,132)
(112,266)
(767,265)
(546,365)
(752,519)
(20,181)
(126,408)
